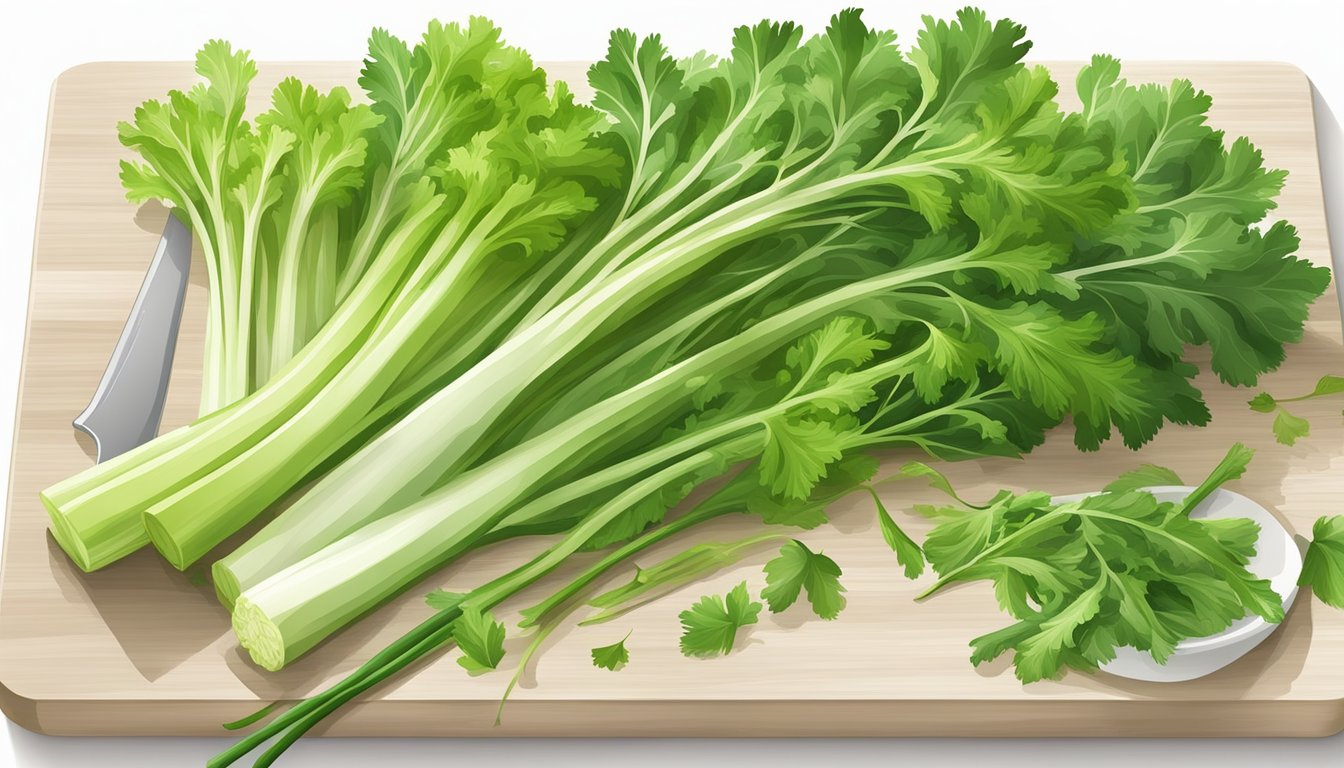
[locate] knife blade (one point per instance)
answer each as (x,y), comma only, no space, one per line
(127,406)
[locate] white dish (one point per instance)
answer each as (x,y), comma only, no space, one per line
(1276,558)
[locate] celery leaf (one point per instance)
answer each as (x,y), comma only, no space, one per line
(481,639)
(908,554)
(613,657)
(1144,476)
(710,627)
(1323,567)
(797,569)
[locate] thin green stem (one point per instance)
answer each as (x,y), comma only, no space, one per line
(384,659)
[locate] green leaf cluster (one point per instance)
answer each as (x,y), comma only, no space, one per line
(1085,577)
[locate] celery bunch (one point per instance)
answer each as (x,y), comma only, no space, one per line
(513,314)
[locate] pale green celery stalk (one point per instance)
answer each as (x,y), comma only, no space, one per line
(438,364)
(279,619)
(229,384)
(365,242)
(192,520)
(263,306)
(646,345)
(99,510)
(214,360)
(662,344)
(450,75)
(408,161)
(254,198)
(217,363)
(498,319)
(310,232)
(288,613)
(291,537)
(431,443)
(216,386)
(323,246)
(191,160)
(647,225)
(340,507)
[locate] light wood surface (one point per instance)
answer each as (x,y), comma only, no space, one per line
(138,649)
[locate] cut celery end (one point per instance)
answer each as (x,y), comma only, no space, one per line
(93,541)
(74,489)
(227,587)
(66,537)
(160,469)
(164,542)
(259,635)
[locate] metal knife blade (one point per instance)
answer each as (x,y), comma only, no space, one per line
(127,406)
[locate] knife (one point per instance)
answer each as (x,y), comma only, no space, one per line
(127,406)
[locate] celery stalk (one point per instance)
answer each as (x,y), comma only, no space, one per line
(99,510)
(335,506)
(286,614)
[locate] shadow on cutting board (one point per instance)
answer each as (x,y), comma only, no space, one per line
(130,596)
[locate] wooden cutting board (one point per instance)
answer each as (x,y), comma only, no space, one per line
(139,648)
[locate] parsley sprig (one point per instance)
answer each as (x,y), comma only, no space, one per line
(1085,577)
(1288,426)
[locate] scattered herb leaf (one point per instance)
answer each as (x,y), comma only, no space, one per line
(613,657)
(709,628)
(481,639)
(1323,567)
(798,568)
(1288,427)
(1263,403)
(908,553)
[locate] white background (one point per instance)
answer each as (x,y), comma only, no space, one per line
(43,38)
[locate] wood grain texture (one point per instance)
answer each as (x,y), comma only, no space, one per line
(137,649)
